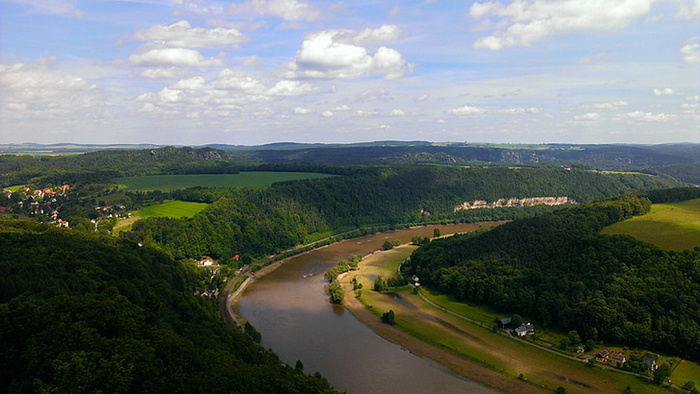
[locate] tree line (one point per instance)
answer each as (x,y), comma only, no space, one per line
(557,268)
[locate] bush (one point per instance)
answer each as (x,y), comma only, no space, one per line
(389,318)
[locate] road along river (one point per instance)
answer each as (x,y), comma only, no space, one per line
(292,312)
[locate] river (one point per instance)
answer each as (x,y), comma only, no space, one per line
(291,310)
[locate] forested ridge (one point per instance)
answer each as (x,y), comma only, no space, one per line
(82,313)
(557,268)
(260,222)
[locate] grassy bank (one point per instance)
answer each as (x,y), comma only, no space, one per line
(477,344)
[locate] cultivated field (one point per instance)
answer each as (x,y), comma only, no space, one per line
(172,209)
(244,179)
(673,226)
(448,332)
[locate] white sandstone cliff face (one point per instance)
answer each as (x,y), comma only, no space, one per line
(515,202)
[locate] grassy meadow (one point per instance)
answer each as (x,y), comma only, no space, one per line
(243,179)
(172,209)
(674,226)
(448,331)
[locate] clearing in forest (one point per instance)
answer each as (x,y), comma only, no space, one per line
(674,226)
(173,209)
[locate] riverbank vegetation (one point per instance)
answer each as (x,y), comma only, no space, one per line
(558,269)
(468,331)
(81,312)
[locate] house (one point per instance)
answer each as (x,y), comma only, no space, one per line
(650,362)
(526,328)
(617,359)
(602,356)
(504,323)
(206,262)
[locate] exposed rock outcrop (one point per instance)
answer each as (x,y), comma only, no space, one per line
(515,202)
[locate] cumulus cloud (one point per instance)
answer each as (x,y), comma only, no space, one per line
(639,117)
(587,117)
(664,92)
(691,53)
(397,112)
(183,35)
(338,54)
(529,21)
(173,57)
(519,111)
(466,111)
(291,10)
(689,9)
(40,92)
(292,88)
(160,73)
(609,105)
(302,111)
(236,80)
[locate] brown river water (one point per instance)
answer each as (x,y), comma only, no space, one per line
(292,312)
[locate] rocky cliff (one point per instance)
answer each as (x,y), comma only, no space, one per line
(515,202)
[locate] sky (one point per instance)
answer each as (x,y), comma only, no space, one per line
(195,72)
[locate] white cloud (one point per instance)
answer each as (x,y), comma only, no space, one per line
(40,92)
(664,92)
(520,111)
(587,117)
(639,116)
(53,7)
(292,88)
(195,83)
(689,9)
(397,112)
(610,105)
(161,73)
(327,114)
(423,97)
(173,57)
(302,111)
(529,21)
(342,108)
(291,10)
(335,54)
(236,80)
(182,35)
(691,53)
(466,111)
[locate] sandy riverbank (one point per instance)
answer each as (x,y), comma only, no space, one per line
(457,365)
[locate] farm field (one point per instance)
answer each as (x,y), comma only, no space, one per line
(173,209)
(244,179)
(446,331)
(674,226)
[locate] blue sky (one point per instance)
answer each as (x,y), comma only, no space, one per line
(260,71)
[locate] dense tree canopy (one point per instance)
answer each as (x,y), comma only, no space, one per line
(558,269)
(80,313)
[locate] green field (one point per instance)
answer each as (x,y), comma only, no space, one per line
(245,179)
(673,226)
(172,209)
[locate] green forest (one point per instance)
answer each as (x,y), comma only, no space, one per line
(84,311)
(89,313)
(260,222)
(557,269)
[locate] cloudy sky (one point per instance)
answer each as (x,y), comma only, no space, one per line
(260,71)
